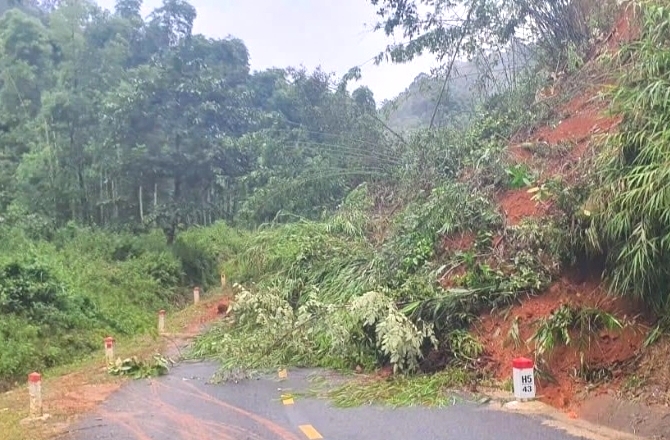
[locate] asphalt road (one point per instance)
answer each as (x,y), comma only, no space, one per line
(183,406)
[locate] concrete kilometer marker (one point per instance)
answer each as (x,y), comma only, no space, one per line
(109,349)
(523,378)
(35,393)
(196,295)
(161,322)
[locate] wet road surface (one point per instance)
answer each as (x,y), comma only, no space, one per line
(183,406)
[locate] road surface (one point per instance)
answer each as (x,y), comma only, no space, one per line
(184,406)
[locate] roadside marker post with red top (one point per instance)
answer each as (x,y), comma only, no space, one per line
(109,349)
(35,393)
(161,322)
(196,295)
(523,378)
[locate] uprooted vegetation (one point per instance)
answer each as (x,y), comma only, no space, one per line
(517,233)
(449,250)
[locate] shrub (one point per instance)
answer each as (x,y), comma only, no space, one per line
(58,299)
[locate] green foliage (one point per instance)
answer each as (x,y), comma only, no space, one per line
(465,347)
(457,27)
(537,252)
(318,294)
(448,209)
(269,332)
(542,243)
(569,324)
(112,120)
(425,390)
(138,369)
(30,290)
(320,299)
(59,300)
(630,202)
(519,176)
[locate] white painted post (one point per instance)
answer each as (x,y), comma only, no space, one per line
(161,322)
(523,378)
(109,349)
(35,392)
(196,295)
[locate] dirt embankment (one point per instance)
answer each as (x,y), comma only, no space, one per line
(584,380)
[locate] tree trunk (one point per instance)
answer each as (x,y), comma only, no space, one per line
(115,201)
(82,194)
(139,196)
(101,197)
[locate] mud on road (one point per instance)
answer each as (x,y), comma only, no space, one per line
(184,405)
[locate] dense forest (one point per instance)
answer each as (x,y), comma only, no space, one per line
(113,121)
(140,159)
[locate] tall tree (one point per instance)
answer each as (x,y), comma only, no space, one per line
(25,65)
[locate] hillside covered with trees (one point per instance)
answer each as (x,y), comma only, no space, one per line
(451,98)
(139,159)
(112,127)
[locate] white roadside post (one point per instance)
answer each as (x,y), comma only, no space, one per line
(161,322)
(109,349)
(35,392)
(36,412)
(523,378)
(196,295)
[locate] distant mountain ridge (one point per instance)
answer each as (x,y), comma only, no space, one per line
(413,108)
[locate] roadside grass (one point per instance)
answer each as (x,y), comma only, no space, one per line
(78,387)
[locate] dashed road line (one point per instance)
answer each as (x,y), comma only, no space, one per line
(310,432)
(287,399)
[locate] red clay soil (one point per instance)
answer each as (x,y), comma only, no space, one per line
(519,154)
(599,125)
(584,121)
(461,241)
(74,396)
(624,30)
(212,312)
(583,118)
(605,349)
(579,126)
(517,205)
(82,391)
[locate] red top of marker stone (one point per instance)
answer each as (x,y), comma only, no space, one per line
(162,312)
(522,363)
(34,377)
(109,339)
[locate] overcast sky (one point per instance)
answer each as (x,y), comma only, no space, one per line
(335,34)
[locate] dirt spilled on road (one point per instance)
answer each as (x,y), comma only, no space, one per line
(67,396)
(156,413)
